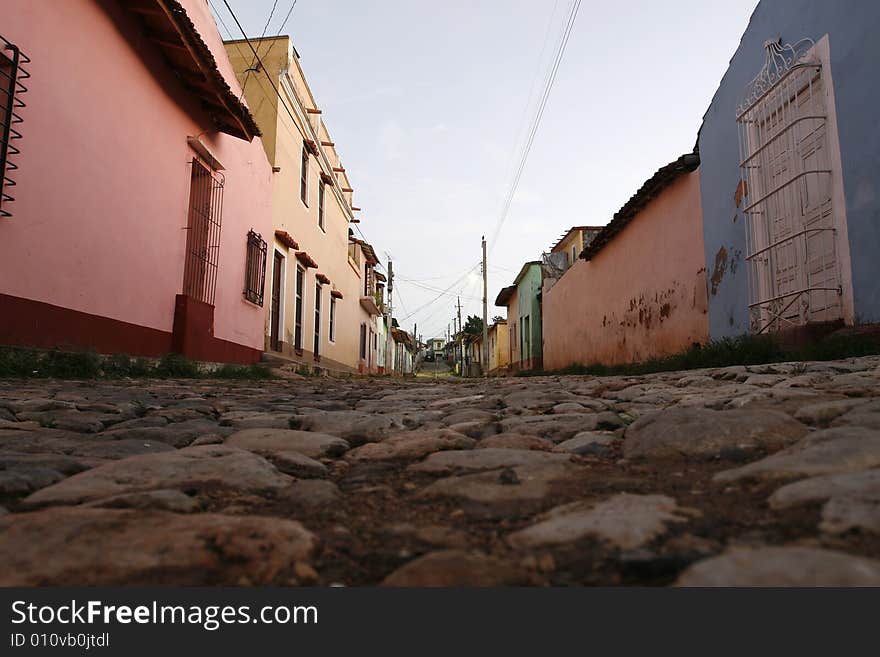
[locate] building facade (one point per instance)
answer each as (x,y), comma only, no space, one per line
(507,298)
(571,244)
(639,289)
(499,347)
(324,307)
(523,301)
(790,172)
(150,235)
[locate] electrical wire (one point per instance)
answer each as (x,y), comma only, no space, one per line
(250,68)
(262,68)
(551,79)
(425,305)
(525,113)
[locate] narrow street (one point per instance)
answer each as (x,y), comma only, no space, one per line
(735,476)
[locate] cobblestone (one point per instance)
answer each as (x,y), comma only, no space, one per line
(711,477)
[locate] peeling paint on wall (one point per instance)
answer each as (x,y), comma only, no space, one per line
(735,260)
(627,305)
(742,190)
(720,269)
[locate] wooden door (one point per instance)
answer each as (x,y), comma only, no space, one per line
(275,329)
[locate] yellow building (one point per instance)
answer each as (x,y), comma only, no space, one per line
(323,297)
(572,243)
(499,347)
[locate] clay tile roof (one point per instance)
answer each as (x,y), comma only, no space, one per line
(662,179)
(504,296)
(326,178)
(369,253)
(284,237)
(322,278)
(401,336)
(306,259)
(380,276)
(166,24)
(336,294)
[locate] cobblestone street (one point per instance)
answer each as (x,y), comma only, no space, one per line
(764,475)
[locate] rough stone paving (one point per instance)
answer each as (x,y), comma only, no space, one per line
(766,475)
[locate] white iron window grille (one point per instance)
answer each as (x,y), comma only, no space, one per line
(791,240)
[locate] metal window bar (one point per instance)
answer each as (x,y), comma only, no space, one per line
(255,268)
(203,233)
(794,275)
(368,281)
(12,72)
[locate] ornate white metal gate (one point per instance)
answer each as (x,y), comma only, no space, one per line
(792,255)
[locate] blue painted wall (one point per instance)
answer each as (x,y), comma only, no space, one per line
(853,27)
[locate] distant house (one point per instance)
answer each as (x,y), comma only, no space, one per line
(507,298)
(565,252)
(639,288)
(404,352)
(523,302)
(435,348)
(136,205)
(790,173)
(499,349)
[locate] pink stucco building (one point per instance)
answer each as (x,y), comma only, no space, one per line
(142,192)
(638,290)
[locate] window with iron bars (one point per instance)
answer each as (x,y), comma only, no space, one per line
(255,268)
(11,88)
(369,281)
(203,233)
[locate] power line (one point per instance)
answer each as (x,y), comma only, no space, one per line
(430,288)
(247,72)
(525,112)
(263,69)
(551,78)
(425,305)
(284,22)
(265,73)
(467,286)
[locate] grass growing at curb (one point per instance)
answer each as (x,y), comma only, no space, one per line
(742,350)
(34,363)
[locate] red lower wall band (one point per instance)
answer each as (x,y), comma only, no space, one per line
(28,323)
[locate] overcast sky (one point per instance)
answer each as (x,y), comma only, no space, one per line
(428,103)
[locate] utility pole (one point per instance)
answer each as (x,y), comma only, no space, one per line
(485,316)
(460,341)
(415,347)
(389,317)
